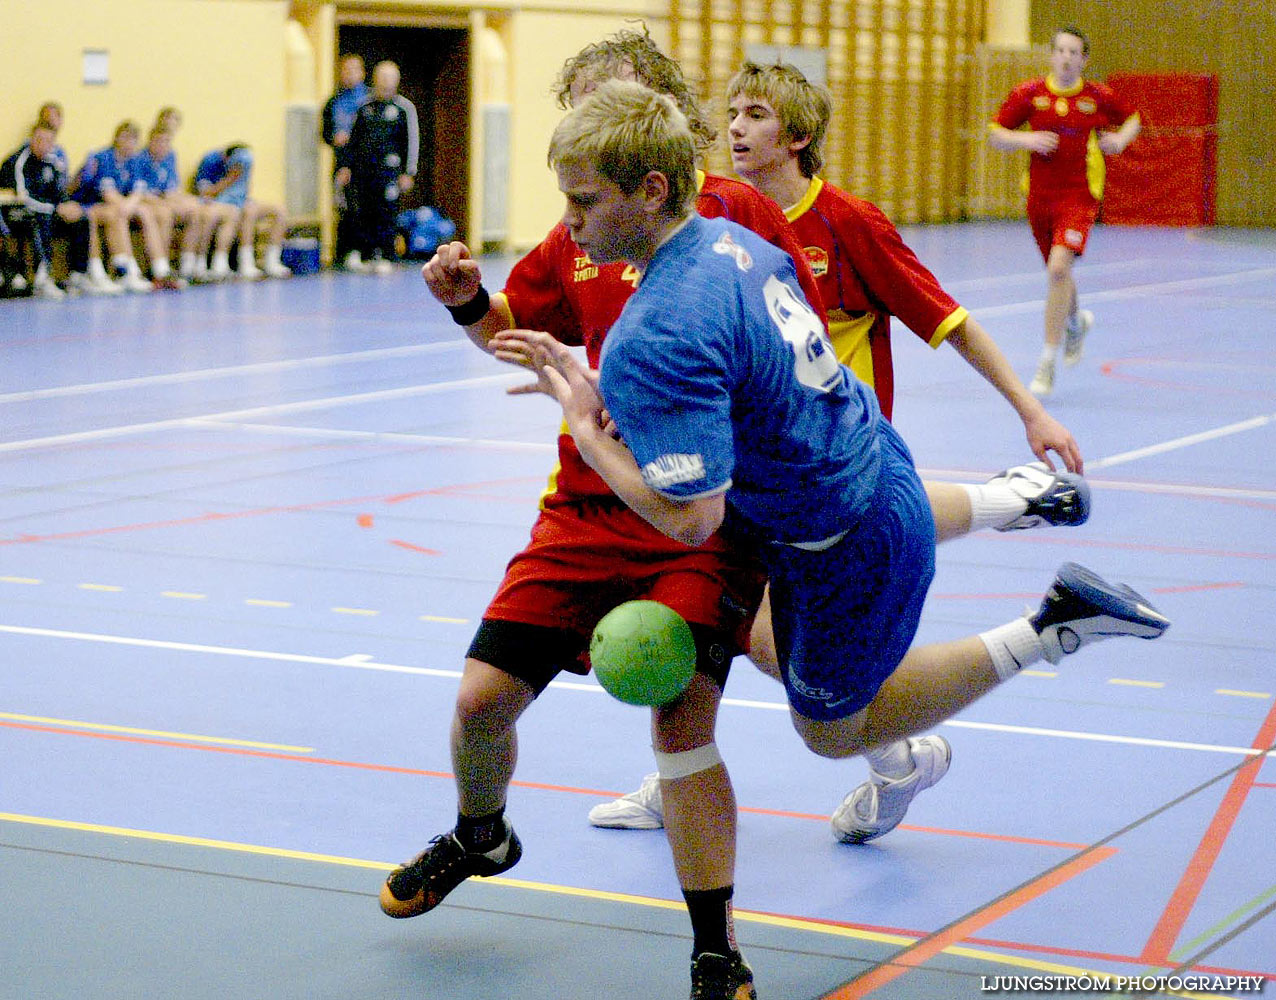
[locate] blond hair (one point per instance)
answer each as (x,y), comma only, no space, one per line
(802,107)
(627,131)
(637,52)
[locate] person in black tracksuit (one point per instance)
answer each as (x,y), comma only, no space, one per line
(37,176)
(380,162)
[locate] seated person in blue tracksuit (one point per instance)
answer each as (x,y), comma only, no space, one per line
(223,178)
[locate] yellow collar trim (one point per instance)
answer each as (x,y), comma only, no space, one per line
(1054,88)
(795,212)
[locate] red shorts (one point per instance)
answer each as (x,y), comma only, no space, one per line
(1062,220)
(585,558)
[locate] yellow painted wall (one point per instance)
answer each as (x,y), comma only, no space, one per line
(222,62)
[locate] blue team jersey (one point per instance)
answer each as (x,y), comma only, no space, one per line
(214,167)
(102,171)
(159,177)
(721,378)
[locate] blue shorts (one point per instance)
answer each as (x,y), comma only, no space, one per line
(844,618)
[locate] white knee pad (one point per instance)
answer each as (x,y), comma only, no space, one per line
(680,765)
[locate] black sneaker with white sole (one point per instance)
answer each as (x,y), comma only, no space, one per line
(721,977)
(1058,499)
(421,884)
(1081,608)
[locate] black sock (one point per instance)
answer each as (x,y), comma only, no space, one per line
(711,921)
(481,833)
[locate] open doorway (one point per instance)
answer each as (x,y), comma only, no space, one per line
(434,66)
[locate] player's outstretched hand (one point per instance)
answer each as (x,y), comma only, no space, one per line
(452,275)
(559,374)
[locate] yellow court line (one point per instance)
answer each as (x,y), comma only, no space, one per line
(19,579)
(104,727)
(1138,684)
(109,588)
(260,602)
(1243,694)
(367,612)
(441,618)
(183,595)
(1038,673)
(744,916)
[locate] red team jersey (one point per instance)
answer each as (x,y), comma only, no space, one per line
(558,289)
(866,274)
(1075,115)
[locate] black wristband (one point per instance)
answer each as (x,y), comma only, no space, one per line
(474,310)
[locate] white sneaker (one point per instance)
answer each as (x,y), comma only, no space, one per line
(380,266)
(220,271)
(1081,607)
(640,810)
(18,283)
(1079,324)
(132,281)
(1059,499)
(274,269)
(248,271)
(877,806)
(91,284)
(45,288)
(1042,383)
(354,262)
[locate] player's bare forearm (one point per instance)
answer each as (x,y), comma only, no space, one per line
(1045,434)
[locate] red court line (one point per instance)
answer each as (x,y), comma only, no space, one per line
(928,947)
(1179,908)
(540,786)
(461,490)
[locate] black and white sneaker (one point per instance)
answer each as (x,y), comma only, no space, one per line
(1081,607)
(1061,499)
(421,884)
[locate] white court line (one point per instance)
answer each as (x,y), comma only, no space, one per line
(207,374)
(360,661)
(287,430)
(1081,268)
(300,406)
(1253,423)
(1136,291)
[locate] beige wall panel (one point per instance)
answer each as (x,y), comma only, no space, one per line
(222,62)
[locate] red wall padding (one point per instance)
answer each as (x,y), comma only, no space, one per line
(1167,175)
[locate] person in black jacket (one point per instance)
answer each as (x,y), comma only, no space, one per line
(35,173)
(379,163)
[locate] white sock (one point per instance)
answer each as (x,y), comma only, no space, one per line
(186,263)
(160,268)
(1048,354)
(993,505)
(96,269)
(221,261)
(273,254)
(892,760)
(1012,647)
(246,259)
(122,263)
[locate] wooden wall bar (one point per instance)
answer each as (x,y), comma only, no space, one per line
(898,71)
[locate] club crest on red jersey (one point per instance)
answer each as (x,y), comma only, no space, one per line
(818,258)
